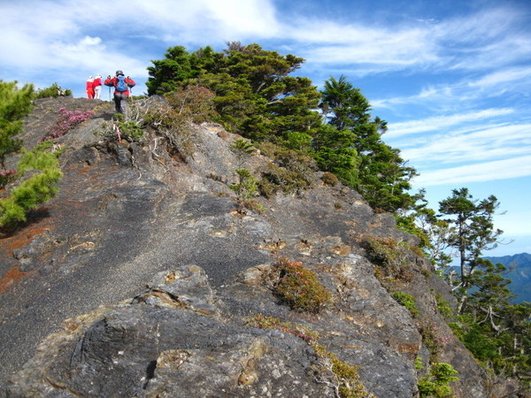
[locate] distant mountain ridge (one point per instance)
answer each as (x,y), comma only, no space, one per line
(519,272)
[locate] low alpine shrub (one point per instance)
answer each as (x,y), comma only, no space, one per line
(408,301)
(299,287)
(437,383)
(53,91)
(67,121)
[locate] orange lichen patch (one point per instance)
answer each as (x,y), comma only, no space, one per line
(22,238)
(12,276)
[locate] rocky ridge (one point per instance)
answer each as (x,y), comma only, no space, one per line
(166,281)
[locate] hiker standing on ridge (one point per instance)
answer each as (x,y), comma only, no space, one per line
(96,84)
(121,86)
(89,87)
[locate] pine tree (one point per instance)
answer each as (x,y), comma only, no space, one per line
(14,105)
(472,232)
(255,96)
(383,177)
(38,170)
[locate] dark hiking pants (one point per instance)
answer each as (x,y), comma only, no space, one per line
(118,97)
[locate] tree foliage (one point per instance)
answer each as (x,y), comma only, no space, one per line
(37,172)
(53,91)
(257,96)
(497,332)
(44,172)
(382,176)
(15,103)
(472,229)
(254,94)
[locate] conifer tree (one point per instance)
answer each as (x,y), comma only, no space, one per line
(383,178)
(37,172)
(255,96)
(494,330)
(14,105)
(472,231)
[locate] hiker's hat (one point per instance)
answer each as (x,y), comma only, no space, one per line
(119,72)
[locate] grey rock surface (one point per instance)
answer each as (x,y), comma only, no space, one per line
(130,215)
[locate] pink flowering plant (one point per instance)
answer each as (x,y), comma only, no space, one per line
(67,121)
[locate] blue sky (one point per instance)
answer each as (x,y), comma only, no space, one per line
(452,77)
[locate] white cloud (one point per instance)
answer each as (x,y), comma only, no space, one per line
(503,77)
(486,171)
(437,123)
(480,41)
(466,93)
(51,34)
(477,143)
(35,24)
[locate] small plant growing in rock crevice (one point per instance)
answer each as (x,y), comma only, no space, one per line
(330,369)
(242,147)
(444,308)
(329,179)
(131,130)
(408,301)
(436,384)
(391,256)
(247,187)
(347,383)
(299,287)
(269,322)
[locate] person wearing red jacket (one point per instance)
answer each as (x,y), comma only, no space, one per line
(96,84)
(89,87)
(121,86)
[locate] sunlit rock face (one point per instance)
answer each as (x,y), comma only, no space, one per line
(147,275)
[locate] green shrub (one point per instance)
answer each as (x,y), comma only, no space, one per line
(38,170)
(31,192)
(408,301)
(437,383)
(243,146)
(275,178)
(15,103)
(383,251)
(391,256)
(444,307)
(299,287)
(172,117)
(131,130)
(247,187)
(53,91)
(429,337)
(296,161)
(407,223)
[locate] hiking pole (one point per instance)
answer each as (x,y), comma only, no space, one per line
(109,93)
